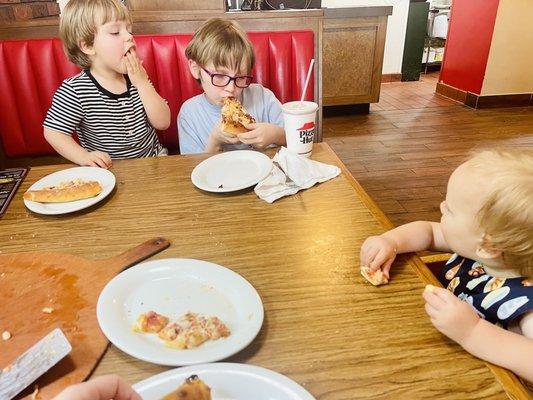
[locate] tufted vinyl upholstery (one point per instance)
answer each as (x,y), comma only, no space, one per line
(32,70)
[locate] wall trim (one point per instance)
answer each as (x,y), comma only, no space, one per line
(476,101)
(388,78)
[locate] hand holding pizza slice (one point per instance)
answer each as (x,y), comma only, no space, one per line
(234,117)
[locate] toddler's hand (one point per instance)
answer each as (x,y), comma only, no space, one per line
(261,135)
(378,252)
(135,69)
(97,159)
(107,387)
(451,316)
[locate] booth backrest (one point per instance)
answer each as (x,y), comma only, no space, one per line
(32,70)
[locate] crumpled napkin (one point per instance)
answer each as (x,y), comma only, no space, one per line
(291,173)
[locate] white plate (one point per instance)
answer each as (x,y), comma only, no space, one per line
(173,287)
(103,176)
(231,171)
(227,381)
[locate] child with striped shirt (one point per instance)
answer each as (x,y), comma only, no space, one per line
(111,104)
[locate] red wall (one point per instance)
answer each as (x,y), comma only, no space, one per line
(468,44)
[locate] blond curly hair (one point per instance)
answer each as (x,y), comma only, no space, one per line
(79,22)
(506,217)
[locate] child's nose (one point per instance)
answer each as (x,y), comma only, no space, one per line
(230,87)
(442,207)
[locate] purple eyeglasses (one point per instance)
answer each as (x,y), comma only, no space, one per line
(221,80)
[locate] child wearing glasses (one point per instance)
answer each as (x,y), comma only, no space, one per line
(111,104)
(221,58)
(487,221)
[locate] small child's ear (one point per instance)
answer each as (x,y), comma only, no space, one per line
(86,49)
(194,68)
(485,251)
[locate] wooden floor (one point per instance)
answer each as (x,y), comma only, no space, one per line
(404,151)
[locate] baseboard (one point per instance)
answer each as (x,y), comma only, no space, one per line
(504,100)
(350,109)
(476,101)
(451,92)
(388,78)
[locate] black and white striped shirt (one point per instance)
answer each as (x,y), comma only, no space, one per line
(114,123)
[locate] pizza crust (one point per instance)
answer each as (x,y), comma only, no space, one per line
(192,389)
(234,116)
(376,278)
(65,192)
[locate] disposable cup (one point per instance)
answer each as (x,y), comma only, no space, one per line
(300,126)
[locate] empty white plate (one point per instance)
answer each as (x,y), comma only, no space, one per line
(103,176)
(231,171)
(227,381)
(173,287)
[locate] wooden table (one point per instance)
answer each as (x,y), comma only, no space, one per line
(324,327)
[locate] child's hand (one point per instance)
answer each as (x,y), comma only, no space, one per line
(378,252)
(97,159)
(217,138)
(451,316)
(262,135)
(106,387)
(135,69)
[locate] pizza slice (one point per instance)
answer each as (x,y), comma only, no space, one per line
(216,329)
(376,278)
(234,115)
(65,192)
(188,339)
(192,389)
(150,322)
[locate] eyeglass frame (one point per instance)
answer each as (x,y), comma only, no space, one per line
(231,78)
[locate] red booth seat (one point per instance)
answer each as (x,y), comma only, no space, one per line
(32,70)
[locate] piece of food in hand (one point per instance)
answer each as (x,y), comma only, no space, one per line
(429,288)
(65,192)
(150,322)
(376,278)
(192,389)
(234,116)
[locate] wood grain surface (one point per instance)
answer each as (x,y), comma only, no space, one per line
(325,327)
(43,291)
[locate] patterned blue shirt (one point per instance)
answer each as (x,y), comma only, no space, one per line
(498,300)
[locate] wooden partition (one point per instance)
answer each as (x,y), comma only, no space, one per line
(154,5)
(353,46)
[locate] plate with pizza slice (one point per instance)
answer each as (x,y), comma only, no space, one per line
(69,190)
(179,312)
(231,171)
(221,381)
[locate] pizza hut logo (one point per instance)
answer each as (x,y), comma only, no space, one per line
(307,132)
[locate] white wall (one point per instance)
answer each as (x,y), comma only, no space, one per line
(396,26)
